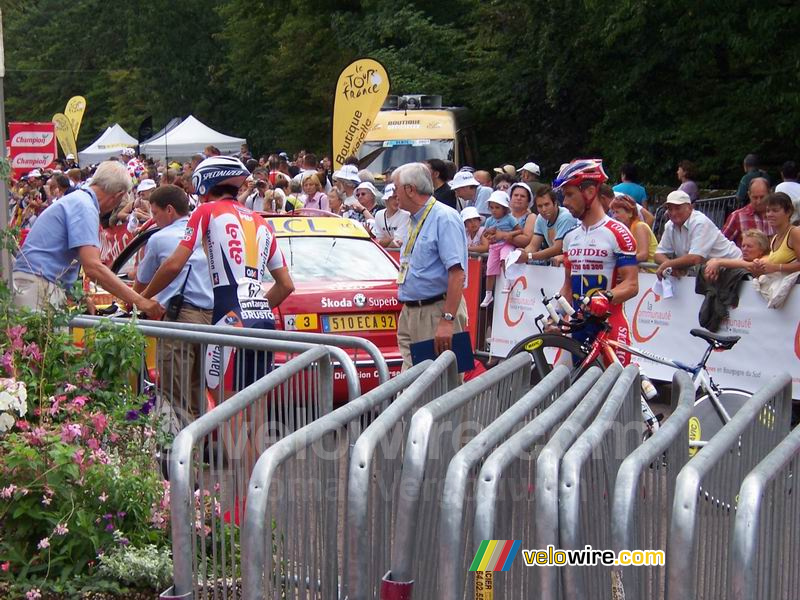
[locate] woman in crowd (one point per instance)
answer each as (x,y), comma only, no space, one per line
(335,202)
(755,244)
(784,244)
(503,182)
(313,196)
(521,197)
(624,209)
(686,175)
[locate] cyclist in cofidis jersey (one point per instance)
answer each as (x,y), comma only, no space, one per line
(242,251)
(599,254)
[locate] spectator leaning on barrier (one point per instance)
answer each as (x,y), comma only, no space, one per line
(189,297)
(784,244)
(752,216)
(751,168)
(552,224)
(66,237)
(690,238)
(433,265)
(470,192)
(790,187)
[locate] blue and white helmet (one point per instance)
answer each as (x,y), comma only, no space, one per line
(580,170)
(218,170)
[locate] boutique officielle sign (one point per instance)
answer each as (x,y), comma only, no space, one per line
(360,92)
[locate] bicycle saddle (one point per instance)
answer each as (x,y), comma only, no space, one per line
(724,342)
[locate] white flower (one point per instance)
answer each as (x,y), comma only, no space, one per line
(5,400)
(6,422)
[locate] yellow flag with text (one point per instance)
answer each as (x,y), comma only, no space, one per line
(64,133)
(74,112)
(360,92)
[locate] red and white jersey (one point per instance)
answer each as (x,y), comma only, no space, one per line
(594,254)
(240,245)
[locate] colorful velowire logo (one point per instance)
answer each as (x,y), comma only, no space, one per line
(495,555)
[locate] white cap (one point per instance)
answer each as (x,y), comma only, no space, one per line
(389,190)
(348,173)
(146,184)
(35,173)
(678,197)
(531,167)
(70,157)
(463,179)
(499,197)
(470,212)
(524,186)
(366,185)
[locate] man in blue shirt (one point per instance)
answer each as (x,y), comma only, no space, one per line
(66,237)
(433,265)
(630,184)
(178,361)
(469,192)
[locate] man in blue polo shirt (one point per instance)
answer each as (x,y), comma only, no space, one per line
(433,265)
(178,362)
(66,237)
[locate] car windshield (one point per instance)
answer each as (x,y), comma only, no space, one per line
(379,156)
(335,259)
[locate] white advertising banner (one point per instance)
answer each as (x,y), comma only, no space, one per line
(770,341)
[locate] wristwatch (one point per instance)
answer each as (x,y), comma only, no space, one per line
(608,294)
(530,256)
(449,317)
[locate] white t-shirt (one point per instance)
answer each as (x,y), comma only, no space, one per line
(698,235)
(395,226)
(791,189)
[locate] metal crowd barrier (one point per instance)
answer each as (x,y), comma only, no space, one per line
(644,492)
(436,433)
(587,479)
(174,351)
(296,500)
(698,549)
(210,465)
(374,479)
(508,484)
(458,497)
(548,468)
(766,535)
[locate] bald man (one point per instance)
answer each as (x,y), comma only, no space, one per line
(484,178)
(751,216)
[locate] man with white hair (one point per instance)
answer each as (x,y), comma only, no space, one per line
(66,237)
(433,265)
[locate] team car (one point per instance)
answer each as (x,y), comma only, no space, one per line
(345,283)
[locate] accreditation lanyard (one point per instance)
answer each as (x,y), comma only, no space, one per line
(405,256)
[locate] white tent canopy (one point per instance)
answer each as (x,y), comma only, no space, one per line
(188,138)
(111,143)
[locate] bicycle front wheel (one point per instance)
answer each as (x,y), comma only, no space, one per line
(551,349)
(707,419)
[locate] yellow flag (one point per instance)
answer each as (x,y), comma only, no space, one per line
(74,112)
(363,86)
(66,138)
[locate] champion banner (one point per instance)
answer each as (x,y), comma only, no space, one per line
(76,106)
(363,86)
(661,325)
(33,146)
(65,135)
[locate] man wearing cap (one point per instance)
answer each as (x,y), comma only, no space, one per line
(510,170)
(346,180)
(433,265)
(65,238)
(470,192)
(391,223)
(69,162)
(440,175)
(690,238)
(529,173)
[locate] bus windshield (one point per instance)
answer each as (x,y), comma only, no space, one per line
(380,156)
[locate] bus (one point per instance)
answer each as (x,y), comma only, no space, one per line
(414,128)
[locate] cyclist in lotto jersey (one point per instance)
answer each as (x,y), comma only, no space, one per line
(599,254)
(241,250)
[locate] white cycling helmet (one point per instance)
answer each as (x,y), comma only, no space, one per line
(218,170)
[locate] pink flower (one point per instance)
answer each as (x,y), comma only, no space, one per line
(32,351)
(54,407)
(99,422)
(69,388)
(77,404)
(78,458)
(23,425)
(8,491)
(61,529)
(102,497)
(93,444)
(33,594)
(5,566)
(15,336)
(69,432)
(36,437)
(44,543)
(7,362)
(46,500)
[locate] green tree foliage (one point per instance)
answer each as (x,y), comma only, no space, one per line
(647,81)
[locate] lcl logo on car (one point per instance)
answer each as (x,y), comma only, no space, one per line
(360,300)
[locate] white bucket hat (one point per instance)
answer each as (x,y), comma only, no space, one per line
(470,212)
(146,184)
(463,179)
(348,173)
(499,197)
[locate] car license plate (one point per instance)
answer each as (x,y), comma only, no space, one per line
(366,322)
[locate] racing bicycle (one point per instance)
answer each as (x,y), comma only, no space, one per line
(714,405)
